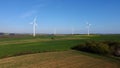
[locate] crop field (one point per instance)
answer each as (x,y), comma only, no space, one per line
(63,59)
(46,51)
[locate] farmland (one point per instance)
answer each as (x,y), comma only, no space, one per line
(40,50)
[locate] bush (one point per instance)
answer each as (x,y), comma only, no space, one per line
(116,49)
(104,47)
(80,47)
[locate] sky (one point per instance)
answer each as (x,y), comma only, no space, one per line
(62,15)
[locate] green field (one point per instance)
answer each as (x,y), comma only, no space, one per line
(22,44)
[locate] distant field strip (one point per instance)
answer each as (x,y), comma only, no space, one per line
(64,59)
(35,40)
(23,41)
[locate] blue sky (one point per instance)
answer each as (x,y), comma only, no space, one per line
(62,15)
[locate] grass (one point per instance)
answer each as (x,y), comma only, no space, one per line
(35,47)
(109,37)
(63,59)
(20,45)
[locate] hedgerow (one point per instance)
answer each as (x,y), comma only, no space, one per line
(103,47)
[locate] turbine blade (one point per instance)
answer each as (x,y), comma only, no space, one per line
(35,19)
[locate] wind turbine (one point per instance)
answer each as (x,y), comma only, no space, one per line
(34,26)
(72,30)
(54,31)
(88,26)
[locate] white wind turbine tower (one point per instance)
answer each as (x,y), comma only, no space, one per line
(88,26)
(34,26)
(54,31)
(72,30)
